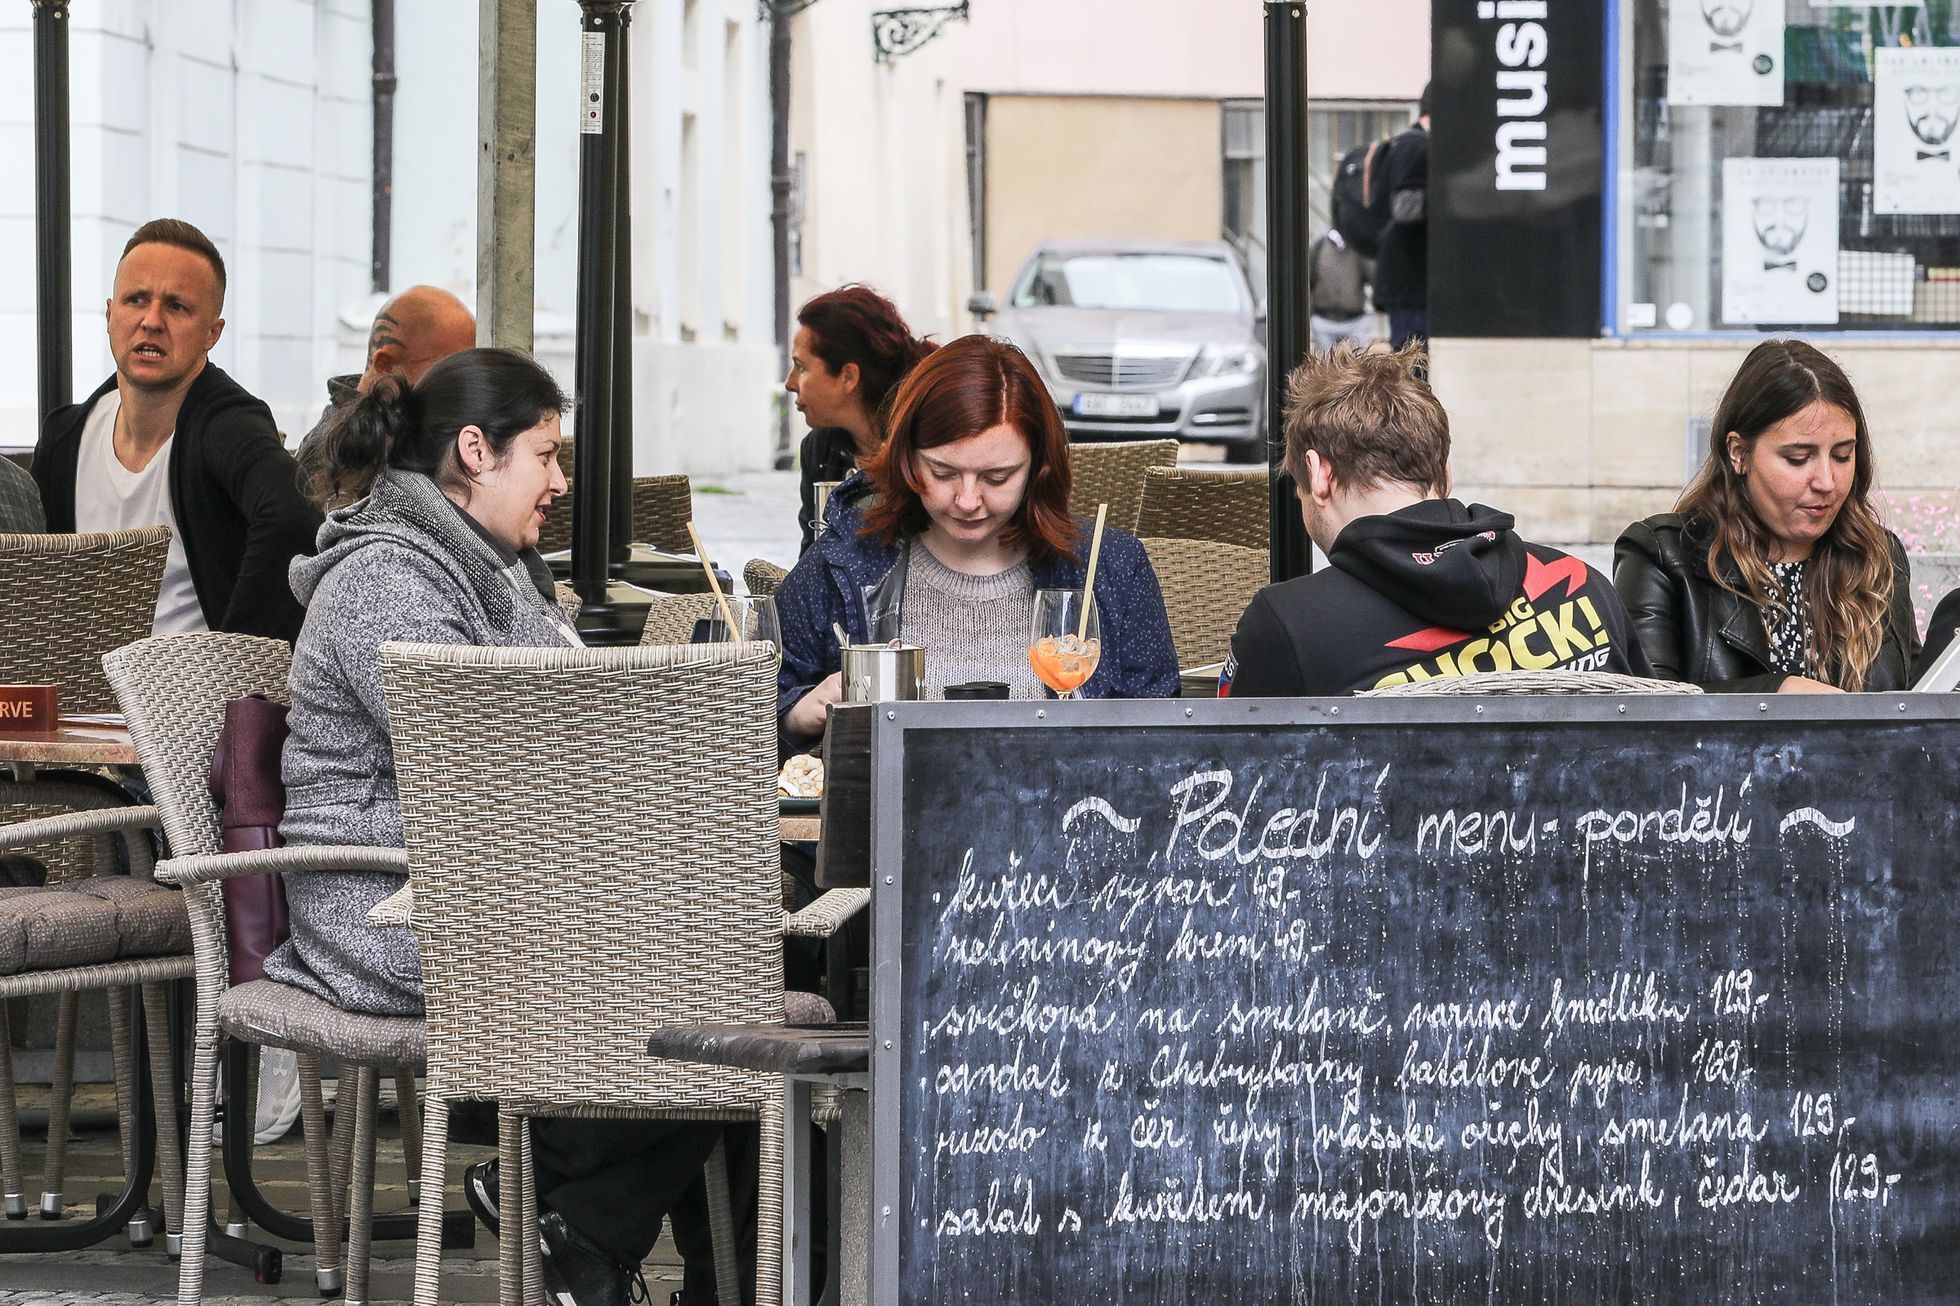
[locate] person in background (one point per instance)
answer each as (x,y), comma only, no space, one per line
(1421,587)
(170,440)
(851,348)
(412,332)
(1402,268)
(1773,573)
(20,501)
(957,521)
(1338,277)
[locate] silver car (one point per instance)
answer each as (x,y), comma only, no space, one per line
(1142,339)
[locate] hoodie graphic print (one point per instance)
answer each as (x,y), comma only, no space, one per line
(1439,589)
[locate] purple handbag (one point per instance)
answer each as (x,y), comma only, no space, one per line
(251,798)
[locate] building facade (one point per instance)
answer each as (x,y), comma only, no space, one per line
(254,119)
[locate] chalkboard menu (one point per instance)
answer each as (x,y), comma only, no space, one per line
(1564,1001)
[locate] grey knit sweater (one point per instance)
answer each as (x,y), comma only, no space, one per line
(403,564)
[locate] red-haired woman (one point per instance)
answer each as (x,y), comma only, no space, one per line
(851,348)
(955,524)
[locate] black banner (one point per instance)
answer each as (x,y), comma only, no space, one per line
(1517,167)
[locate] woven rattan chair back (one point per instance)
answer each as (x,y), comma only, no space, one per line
(173,690)
(1535,682)
(65,600)
(1230,507)
(763,577)
(633,882)
(671,617)
(1113,474)
(1206,586)
(663,507)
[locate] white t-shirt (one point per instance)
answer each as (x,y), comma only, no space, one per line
(110,497)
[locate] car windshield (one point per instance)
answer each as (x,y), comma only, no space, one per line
(1175,283)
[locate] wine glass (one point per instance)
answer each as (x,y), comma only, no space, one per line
(754,614)
(1062,649)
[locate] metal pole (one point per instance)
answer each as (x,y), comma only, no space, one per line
(506,172)
(618,60)
(54,289)
(1288,333)
(384,141)
(779,184)
(597,249)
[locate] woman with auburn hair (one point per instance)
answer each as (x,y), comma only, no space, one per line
(1773,572)
(850,350)
(955,524)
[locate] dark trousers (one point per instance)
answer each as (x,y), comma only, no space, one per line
(1406,324)
(615,1180)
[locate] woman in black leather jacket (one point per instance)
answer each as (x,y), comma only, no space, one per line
(1773,572)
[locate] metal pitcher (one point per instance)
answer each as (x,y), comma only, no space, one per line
(884,673)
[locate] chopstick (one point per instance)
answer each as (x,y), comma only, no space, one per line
(735,633)
(1089,581)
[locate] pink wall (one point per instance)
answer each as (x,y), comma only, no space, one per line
(1215,49)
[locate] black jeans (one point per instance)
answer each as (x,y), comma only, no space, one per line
(615,1180)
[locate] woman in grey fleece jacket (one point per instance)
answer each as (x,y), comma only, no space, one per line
(457,471)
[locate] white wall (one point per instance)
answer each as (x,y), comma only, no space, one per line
(248,118)
(704,358)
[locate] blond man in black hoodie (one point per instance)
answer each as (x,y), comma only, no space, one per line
(1421,586)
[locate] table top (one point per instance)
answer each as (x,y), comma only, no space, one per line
(840,1049)
(70,743)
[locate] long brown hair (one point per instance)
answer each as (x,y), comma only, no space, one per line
(965,388)
(856,324)
(1849,579)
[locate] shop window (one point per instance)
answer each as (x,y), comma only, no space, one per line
(1789,165)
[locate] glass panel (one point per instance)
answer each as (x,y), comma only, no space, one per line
(1849,78)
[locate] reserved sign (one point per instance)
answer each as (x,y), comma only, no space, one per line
(29,708)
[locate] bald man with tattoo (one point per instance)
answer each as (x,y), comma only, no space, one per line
(414,331)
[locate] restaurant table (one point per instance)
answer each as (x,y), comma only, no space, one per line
(805,1055)
(71,743)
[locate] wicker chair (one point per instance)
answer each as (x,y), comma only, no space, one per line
(65,600)
(641,873)
(1206,588)
(662,508)
(671,618)
(1534,682)
(763,577)
(173,690)
(1113,474)
(1229,507)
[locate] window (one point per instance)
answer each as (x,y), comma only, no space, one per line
(1790,164)
(1148,283)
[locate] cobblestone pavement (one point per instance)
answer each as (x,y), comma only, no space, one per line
(114,1274)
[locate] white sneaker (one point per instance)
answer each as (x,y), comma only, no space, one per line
(278,1104)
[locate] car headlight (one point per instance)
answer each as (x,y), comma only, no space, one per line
(1228,360)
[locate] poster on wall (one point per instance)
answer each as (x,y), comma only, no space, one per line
(1725,52)
(1915,151)
(1780,242)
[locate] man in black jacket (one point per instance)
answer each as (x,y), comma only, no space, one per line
(1421,586)
(1402,266)
(171,440)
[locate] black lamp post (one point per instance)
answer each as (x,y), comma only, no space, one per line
(1289,335)
(53,281)
(599,243)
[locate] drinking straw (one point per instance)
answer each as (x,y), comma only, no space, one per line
(700,551)
(1089,581)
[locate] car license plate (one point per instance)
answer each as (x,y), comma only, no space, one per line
(1107,405)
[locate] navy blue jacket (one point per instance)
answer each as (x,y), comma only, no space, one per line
(827,585)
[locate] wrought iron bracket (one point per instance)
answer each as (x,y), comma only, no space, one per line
(897,32)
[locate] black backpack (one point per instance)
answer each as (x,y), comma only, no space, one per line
(1361,198)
